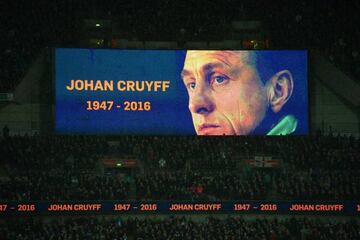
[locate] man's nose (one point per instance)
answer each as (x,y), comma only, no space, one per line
(201,102)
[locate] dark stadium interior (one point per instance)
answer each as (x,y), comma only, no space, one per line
(39,167)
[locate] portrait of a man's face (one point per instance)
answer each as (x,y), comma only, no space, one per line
(226,93)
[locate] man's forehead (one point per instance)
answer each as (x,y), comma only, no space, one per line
(229,57)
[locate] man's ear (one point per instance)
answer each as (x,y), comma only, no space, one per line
(280,88)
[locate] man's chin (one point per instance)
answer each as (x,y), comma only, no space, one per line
(214,131)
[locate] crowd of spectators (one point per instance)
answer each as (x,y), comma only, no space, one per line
(68,168)
(331,152)
(330,28)
(42,153)
(56,168)
(255,185)
(335,185)
(176,228)
(57,185)
(327,152)
(210,185)
(193,152)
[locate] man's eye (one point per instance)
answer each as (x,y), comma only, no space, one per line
(191,85)
(220,79)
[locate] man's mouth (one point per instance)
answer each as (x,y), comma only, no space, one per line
(207,128)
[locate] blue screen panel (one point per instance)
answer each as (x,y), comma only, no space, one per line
(180,92)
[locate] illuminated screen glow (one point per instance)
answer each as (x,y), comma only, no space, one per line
(181,92)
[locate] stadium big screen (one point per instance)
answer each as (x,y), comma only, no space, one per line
(181,92)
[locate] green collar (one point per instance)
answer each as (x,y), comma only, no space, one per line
(286,126)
